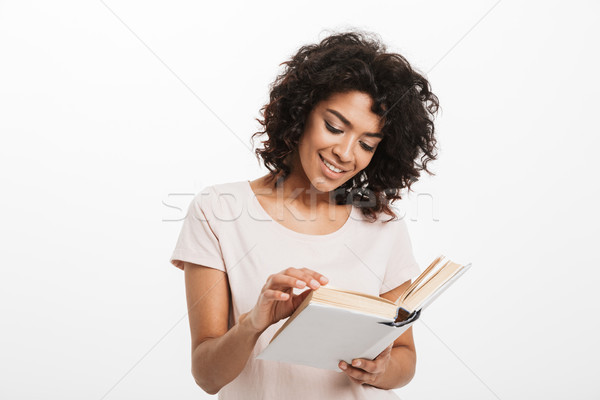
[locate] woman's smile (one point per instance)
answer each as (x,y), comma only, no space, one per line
(329,172)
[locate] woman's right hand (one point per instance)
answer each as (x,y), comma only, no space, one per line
(277,301)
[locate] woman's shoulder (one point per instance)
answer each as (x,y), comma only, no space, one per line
(223,198)
(220,191)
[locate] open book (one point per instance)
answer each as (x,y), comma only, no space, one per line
(333,324)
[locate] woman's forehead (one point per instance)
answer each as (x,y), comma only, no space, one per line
(353,109)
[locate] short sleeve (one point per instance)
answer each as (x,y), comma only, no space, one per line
(198,240)
(401,265)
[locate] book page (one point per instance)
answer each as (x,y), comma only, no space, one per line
(431,285)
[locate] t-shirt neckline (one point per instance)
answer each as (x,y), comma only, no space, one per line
(287,231)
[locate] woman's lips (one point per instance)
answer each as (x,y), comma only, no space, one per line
(327,172)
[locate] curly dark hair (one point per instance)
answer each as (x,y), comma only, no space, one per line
(348,61)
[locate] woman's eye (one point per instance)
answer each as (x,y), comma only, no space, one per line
(334,130)
(367,147)
(331,128)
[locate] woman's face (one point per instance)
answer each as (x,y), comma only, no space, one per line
(344,132)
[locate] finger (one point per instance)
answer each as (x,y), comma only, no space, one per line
(311,280)
(281,281)
(271,295)
(356,373)
(297,300)
(319,277)
(369,366)
(355,380)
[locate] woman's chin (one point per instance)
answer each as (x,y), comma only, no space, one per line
(322,184)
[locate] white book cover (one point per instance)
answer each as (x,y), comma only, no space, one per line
(322,335)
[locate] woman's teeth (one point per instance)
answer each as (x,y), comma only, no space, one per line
(331,167)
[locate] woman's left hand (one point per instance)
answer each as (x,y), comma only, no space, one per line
(364,371)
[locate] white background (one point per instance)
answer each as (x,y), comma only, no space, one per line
(112,114)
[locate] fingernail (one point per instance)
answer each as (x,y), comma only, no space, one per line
(314,283)
(356,363)
(343,366)
(324,280)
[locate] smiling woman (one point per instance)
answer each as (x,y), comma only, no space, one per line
(348,126)
(329,155)
(349,85)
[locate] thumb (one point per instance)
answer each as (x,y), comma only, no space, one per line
(297,300)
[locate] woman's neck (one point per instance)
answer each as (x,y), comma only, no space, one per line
(297,191)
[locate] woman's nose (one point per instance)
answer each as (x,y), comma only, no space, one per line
(343,150)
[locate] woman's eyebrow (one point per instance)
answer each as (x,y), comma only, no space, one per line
(348,123)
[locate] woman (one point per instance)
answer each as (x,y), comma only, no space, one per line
(348,126)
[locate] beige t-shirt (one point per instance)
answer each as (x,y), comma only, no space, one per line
(228,229)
